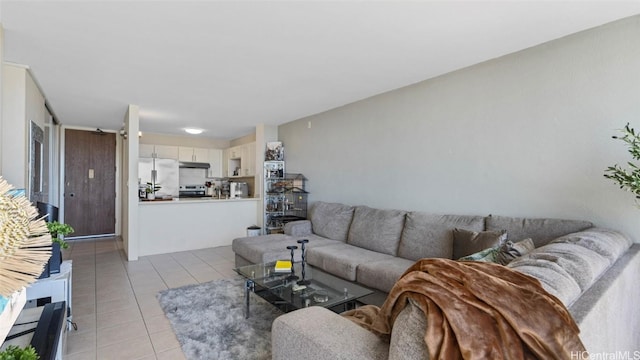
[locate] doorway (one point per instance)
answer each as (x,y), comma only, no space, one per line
(90,182)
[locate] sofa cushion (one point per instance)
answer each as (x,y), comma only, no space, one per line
(429,236)
(582,257)
(298,228)
(382,274)
(552,277)
(268,248)
(582,264)
(331,220)
(342,259)
(407,335)
(377,230)
(467,242)
(541,231)
(251,248)
(609,243)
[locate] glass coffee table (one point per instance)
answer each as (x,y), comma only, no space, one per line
(288,291)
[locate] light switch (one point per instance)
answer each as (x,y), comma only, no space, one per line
(91,173)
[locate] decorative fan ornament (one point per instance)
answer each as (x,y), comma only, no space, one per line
(25,242)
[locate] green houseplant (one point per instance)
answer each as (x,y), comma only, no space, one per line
(151,189)
(13,352)
(55,229)
(627,179)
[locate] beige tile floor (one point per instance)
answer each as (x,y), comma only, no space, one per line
(114,301)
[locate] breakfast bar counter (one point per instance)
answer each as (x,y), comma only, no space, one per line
(193,223)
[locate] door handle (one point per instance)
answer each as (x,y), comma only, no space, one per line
(72,194)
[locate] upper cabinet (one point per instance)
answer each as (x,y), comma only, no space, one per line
(235,152)
(166,152)
(250,165)
(237,161)
(241,160)
(158,151)
(193,154)
(215,161)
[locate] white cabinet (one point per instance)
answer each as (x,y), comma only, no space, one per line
(145,151)
(249,160)
(166,152)
(185,153)
(56,288)
(193,154)
(241,160)
(215,161)
(157,151)
(235,152)
(225,162)
(201,155)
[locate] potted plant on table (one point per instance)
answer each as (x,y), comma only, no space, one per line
(627,179)
(56,229)
(13,352)
(151,190)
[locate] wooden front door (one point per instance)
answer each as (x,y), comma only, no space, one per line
(90,182)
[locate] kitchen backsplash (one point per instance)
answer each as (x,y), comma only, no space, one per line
(189,176)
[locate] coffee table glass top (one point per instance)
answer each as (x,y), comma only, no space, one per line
(320,289)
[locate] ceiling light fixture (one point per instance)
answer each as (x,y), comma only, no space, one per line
(193,131)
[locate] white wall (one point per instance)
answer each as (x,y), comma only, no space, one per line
(130,215)
(190,141)
(35,108)
(14,128)
(528,134)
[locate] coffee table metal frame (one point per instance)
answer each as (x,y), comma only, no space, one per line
(278,288)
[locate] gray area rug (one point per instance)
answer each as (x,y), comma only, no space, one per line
(208,320)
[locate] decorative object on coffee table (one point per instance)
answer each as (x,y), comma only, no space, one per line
(293,276)
(302,243)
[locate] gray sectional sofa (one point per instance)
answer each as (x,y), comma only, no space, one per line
(591,270)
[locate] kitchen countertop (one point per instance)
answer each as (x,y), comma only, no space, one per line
(207,199)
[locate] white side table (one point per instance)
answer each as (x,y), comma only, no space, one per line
(57,287)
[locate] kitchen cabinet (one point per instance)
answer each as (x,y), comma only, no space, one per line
(193,154)
(235,152)
(166,152)
(158,151)
(225,162)
(145,151)
(241,160)
(249,166)
(215,161)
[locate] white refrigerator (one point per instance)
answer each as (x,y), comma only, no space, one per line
(166,174)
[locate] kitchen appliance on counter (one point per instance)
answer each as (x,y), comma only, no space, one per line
(238,190)
(192,191)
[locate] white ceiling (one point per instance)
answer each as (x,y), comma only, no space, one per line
(227,66)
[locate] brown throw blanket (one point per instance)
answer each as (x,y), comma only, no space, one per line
(477,310)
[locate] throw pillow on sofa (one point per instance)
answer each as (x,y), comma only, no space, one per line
(467,242)
(503,254)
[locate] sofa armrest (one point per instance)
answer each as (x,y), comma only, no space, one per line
(320,334)
(298,228)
